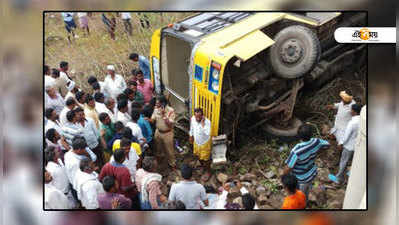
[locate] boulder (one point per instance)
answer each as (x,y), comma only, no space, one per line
(262,199)
(270,174)
(222,178)
(312,197)
(238,200)
(323,174)
(246,184)
(248,177)
(234,192)
(318,195)
(260,190)
(325,129)
(335,205)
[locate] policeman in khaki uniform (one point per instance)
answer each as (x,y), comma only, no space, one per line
(164,118)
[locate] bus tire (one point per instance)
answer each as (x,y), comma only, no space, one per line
(295,52)
(284,134)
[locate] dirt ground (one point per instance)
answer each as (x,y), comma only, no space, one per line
(259,160)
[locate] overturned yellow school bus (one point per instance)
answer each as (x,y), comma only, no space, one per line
(238,66)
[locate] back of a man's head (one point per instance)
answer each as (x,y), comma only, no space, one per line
(78,143)
(127,133)
(305,132)
(133,56)
(135,114)
(125,142)
(84,164)
(148,163)
(186,172)
(70,101)
(118,126)
(119,155)
(122,103)
(108,183)
(248,201)
(357,108)
(91,80)
(290,182)
(98,97)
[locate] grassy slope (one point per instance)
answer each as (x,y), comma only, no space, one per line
(90,55)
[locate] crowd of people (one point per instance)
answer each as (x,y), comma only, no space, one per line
(109,19)
(104,145)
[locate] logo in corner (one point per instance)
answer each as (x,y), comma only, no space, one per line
(365,34)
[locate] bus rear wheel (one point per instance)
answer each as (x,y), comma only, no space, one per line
(284,133)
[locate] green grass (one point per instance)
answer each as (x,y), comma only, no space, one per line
(90,55)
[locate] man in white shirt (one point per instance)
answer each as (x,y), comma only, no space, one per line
(114,84)
(347,144)
(48,80)
(52,120)
(64,79)
(343,115)
(72,90)
(91,135)
(100,106)
(98,86)
(122,113)
(53,198)
(54,99)
(109,108)
(70,104)
(73,157)
(71,128)
(136,130)
(188,191)
(56,168)
(126,22)
(87,184)
(200,137)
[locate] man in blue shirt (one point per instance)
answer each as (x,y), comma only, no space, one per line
(144,64)
(145,126)
(301,161)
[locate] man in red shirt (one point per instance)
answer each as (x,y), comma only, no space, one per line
(144,86)
(296,199)
(123,177)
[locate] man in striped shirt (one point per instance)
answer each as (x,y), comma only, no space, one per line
(301,161)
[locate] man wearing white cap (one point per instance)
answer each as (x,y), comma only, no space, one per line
(114,84)
(72,89)
(343,115)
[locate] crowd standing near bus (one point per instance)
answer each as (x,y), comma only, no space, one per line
(104,146)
